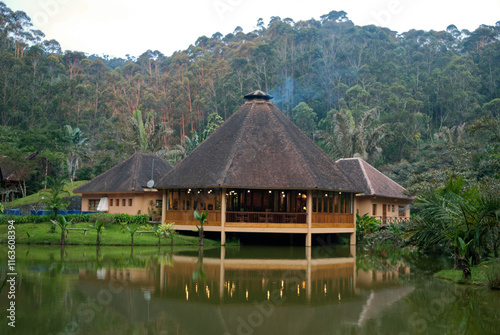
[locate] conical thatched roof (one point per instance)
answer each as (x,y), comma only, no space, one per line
(130,175)
(370,180)
(258,147)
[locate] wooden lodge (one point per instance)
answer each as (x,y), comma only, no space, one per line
(259,173)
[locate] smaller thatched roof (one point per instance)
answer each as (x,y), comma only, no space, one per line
(130,175)
(370,180)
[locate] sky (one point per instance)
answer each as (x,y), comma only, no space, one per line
(121,27)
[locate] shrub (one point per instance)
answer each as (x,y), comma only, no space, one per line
(493,276)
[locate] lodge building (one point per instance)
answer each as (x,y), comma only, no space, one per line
(259,173)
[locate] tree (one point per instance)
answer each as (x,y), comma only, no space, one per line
(305,118)
(56,197)
(454,215)
(351,139)
(99,227)
(76,143)
(201,218)
(63,224)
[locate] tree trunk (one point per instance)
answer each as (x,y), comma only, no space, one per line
(62,236)
(201,236)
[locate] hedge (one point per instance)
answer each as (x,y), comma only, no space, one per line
(91,217)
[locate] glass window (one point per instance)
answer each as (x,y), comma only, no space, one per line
(111,202)
(402,210)
(130,202)
(93,203)
(124,202)
(374,209)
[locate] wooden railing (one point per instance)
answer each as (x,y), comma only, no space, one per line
(332,218)
(187,217)
(266,217)
(385,220)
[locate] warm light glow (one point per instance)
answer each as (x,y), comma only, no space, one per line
(270,191)
(339,296)
(326,195)
(196,288)
(281,294)
(268,294)
(246,294)
(303,284)
(305,208)
(283,195)
(324,289)
(248,191)
(282,283)
(304,196)
(298,290)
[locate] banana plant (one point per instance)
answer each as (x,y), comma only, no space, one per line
(202,218)
(99,227)
(63,224)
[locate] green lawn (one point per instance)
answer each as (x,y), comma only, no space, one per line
(34,198)
(39,233)
(479,274)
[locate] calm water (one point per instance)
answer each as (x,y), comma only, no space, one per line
(240,290)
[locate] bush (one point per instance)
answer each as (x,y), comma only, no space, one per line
(493,276)
(131,219)
(102,217)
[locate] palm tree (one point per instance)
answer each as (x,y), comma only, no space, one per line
(202,218)
(56,197)
(351,139)
(76,143)
(455,216)
(63,224)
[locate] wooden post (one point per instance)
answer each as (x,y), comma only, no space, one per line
(309,218)
(354,203)
(164,207)
(223,217)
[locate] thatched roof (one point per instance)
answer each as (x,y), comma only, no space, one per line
(258,147)
(370,180)
(130,175)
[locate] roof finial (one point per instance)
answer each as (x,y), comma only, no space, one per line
(258,95)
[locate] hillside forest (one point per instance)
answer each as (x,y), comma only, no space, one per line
(419,105)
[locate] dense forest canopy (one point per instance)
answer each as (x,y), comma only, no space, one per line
(419,104)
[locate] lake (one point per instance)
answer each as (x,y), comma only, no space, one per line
(240,290)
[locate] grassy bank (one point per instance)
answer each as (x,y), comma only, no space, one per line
(37,197)
(486,274)
(40,233)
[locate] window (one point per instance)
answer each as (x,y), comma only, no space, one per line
(130,202)
(117,202)
(402,210)
(111,202)
(124,202)
(159,203)
(393,210)
(93,203)
(374,209)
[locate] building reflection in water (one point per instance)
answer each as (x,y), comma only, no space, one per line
(322,289)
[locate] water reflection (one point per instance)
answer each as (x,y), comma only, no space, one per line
(242,290)
(249,291)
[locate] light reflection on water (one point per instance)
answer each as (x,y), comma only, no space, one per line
(241,290)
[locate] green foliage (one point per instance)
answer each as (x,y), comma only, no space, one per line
(63,224)
(1,208)
(365,224)
(492,275)
(56,197)
(459,217)
(201,218)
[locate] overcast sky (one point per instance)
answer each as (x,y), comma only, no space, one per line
(120,27)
